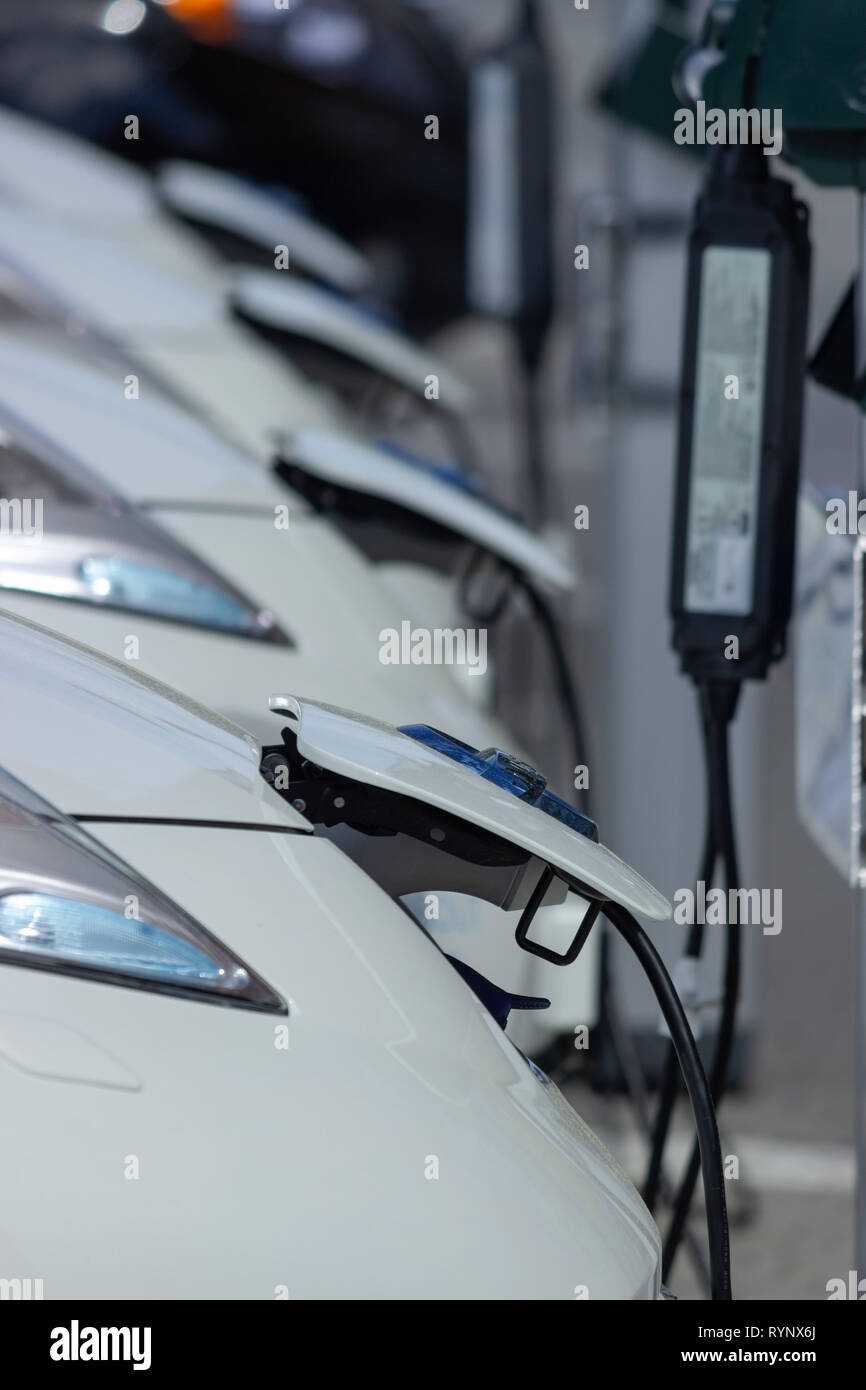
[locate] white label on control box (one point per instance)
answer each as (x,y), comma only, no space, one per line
(728,428)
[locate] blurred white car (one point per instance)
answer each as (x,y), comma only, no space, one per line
(161,545)
(264,1078)
(136,306)
(128,269)
(133,281)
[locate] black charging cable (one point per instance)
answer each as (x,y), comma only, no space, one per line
(708,1149)
(669,1083)
(685,1050)
(722,704)
(625,1051)
(718,706)
(566,685)
(547,622)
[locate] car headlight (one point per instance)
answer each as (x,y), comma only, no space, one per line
(64,535)
(69,905)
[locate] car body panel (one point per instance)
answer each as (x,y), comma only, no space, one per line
(99,737)
(159,311)
(335,643)
(329,598)
(156,289)
(66,176)
(146,447)
(382,1139)
(263,1170)
(121,265)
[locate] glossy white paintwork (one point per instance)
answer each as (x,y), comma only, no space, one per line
(134,275)
(326,595)
(99,737)
(336,641)
(70,179)
(131,271)
(171,318)
(297,307)
(355,464)
(124,265)
(224,201)
(372,752)
(434,595)
(148,449)
(171,456)
(224,508)
(265,1169)
(84,185)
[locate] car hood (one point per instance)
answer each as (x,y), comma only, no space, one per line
(67,177)
(162,453)
(167,311)
(97,738)
(325,1147)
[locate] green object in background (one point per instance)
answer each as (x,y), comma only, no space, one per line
(725,84)
(806,58)
(812,66)
(640,89)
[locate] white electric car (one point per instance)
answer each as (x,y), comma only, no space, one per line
(129,279)
(92,232)
(230,1065)
(159,544)
(154,291)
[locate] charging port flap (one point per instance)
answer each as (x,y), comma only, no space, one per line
(487,822)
